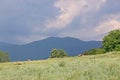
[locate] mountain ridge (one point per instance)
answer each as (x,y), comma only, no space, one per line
(41,49)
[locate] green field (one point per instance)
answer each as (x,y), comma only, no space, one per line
(94,67)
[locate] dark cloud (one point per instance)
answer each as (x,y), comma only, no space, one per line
(21,17)
(27,20)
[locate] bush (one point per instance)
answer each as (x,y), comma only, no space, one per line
(58,53)
(4,57)
(61,64)
(94,51)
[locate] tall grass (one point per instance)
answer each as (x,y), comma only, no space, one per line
(97,67)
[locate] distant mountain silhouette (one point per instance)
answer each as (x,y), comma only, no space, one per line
(41,49)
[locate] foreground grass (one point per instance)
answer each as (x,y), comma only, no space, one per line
(96,67)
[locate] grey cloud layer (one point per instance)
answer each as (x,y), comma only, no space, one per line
(28,20)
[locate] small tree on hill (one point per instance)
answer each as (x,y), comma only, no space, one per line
(58,53)
(111,42)
(4,57)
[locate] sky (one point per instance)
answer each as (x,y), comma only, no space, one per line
(24,21)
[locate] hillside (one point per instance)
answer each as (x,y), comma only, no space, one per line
(41,49)
(94,67)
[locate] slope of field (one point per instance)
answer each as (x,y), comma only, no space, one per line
(95,67)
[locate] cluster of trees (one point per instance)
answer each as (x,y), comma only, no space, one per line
(4,57)
(111,42)
(58,53)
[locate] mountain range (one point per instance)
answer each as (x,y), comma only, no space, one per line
(41,49)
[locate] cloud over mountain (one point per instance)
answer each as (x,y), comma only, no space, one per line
(69,9)
(23,21)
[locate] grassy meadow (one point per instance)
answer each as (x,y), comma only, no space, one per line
(94,67)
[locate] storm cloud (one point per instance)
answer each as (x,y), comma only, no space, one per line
(23,21)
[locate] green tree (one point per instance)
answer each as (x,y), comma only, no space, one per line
(111,42)
(4,57)
(58,53)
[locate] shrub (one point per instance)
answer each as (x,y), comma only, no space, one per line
(4,57)
(94,51)
(61,64)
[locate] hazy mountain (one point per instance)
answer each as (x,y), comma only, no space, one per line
(41,49)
